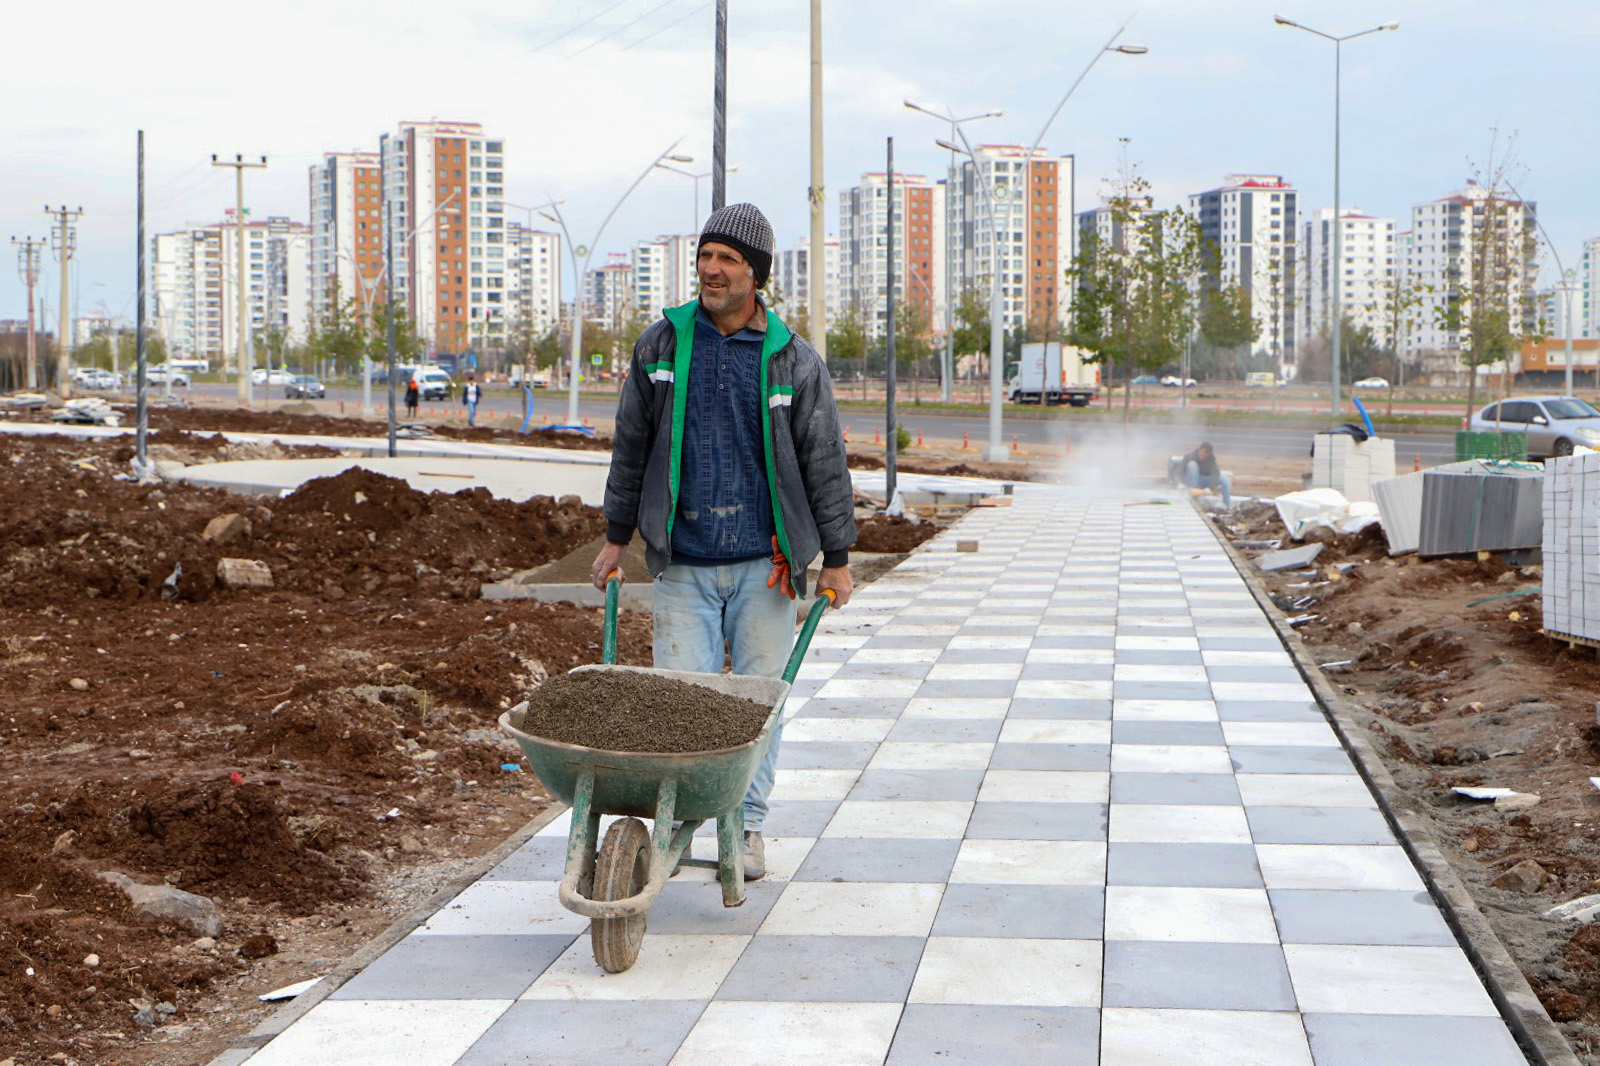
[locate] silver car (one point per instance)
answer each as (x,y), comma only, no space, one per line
(1554,424)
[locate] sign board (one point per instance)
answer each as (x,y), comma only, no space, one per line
(596,359)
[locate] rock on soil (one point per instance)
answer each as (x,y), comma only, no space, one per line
(622,710)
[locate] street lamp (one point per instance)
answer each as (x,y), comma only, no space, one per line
(584,251)
(994,193)
(1338,225)
(387,272)
(1567,287)
(695,228)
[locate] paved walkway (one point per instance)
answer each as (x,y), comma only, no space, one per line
(1063,800)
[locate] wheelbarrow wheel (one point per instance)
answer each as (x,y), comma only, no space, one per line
(620,870)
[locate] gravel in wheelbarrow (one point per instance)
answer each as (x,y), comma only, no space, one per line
(627,711)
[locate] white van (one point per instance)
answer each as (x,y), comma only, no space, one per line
(1260,379)
(432,383)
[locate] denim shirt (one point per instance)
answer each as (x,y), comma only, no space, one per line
(724,502)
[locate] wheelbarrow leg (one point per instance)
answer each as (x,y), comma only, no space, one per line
(584,834)
(730,856)
(661,835)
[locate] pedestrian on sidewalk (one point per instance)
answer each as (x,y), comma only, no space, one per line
(470,395)
(1200,471)
(411,397)
(728,460)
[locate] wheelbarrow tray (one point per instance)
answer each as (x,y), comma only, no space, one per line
(709,783)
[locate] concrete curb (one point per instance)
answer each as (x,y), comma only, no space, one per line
(1538,1036)
(244,1047)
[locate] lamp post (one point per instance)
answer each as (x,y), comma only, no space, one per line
(368,288)
(387,272)
(994,194)
(583,252)
(1567,278)
(1338,223)
(695,228)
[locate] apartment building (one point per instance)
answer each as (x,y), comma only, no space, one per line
(791,281)
(1038,231)
(664,273)
(919,248)
(1586,312)
(1453,240)
(608,300)
(1365,276)
(1250,220)
(346,226)
(533,280)
(444,184)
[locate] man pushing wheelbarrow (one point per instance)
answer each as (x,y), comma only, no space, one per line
(728,460)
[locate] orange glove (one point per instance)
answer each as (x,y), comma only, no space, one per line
(779,578)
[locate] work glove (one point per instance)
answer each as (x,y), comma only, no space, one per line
(779,578)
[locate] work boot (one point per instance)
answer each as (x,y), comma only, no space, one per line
(755,857)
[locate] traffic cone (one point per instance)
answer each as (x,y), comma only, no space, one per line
(1015,448)
(1416,462)
(965,446)
(877,438)
(919,438)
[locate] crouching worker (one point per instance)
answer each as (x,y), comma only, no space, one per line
(1200,471)
(728,460)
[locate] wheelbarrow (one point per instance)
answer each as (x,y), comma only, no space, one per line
(615,885)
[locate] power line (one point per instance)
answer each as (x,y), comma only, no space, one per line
(663,29)
(620,29)
(568,33)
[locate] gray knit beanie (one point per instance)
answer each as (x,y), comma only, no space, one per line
(745,229)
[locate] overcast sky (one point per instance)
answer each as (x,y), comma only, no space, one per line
(586,92)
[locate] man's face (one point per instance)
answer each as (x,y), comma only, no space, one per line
(726,279)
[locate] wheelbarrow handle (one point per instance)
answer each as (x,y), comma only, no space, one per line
(608,650)
(824,600)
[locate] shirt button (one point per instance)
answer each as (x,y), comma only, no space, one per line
(723,367)
(721,387)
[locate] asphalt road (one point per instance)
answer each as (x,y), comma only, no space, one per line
(1094,433)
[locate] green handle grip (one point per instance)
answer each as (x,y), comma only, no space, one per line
(608,648)
(803,641)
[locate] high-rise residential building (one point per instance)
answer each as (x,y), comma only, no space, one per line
(608,299)
(791,282)
(1366,277)
(533,280)
(1587,309)
(444,183)
(1251,223)
(195,282)
(919,249)
(1038,231)
(346,252)
(1452,239)
(664,273)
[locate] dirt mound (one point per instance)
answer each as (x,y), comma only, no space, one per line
(889,534)
(296,419)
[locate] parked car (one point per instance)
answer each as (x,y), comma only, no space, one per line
(262,376)
(304,386)
(157,375)
(432,383)
(1146,379)
(1554,424)
(95,378)
(1372,383)
(1172,381)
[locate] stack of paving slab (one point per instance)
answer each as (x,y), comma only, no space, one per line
(1572,546)
(1399,501)
(1340,462)
(1481,506)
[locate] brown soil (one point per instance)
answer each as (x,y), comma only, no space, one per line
(1457,691)
(625,711)
(885,534)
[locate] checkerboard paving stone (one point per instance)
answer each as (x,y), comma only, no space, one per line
(1063,800)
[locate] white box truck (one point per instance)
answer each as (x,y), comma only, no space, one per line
(1051,374)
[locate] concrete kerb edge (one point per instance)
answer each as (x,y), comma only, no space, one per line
(246,1046)
(1540,1039)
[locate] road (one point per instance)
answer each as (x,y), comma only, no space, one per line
(1049,431)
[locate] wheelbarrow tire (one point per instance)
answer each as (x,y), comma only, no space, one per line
(620,870)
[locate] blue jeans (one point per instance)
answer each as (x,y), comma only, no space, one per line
(1195,480)
(698,610)
(472,413)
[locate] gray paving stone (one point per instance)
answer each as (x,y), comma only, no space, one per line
(1105,642)
(907,640)
(852,707)
(961,656)
(1185,865)
(1037,821)
(859,859)
(1269,711)
(1161,690)
(797,818)
(1287,759)
(1264,643)
(805,686)
(1187,789)
(976,628)
(971,690)
(457,967)
(1057,912)
(824,969)
(1050,707)
(1142,973)
(1318,825)
(686,907)
(953,1035)
(1067,672)
(917,785)
(556,1033)
(871,671)
(1166,733)
(825,754)
(946,729)
(540,859)
(1261,675)
(1404,919)
(1050,757)
(1374,1039)
(1157,657)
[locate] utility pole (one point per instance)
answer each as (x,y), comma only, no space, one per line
(239,167)
(66,245)
(890,431)
(719,113)
(28,270)
(817,257)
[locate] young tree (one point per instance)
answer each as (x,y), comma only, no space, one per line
(1228,322)
(847,345)
(913,341)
